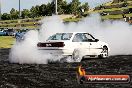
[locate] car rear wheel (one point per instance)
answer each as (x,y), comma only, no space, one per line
(76,56)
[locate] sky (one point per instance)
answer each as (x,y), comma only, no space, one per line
(6,5)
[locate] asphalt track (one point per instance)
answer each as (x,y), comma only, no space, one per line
(61,75)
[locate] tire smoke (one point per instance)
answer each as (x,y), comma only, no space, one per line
(116,33)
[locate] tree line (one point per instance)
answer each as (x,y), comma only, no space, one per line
(74,7)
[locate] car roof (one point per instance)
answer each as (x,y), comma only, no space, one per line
(73,32)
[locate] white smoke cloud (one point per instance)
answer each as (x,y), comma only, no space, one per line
(50,25)
(27,52)
(116,33)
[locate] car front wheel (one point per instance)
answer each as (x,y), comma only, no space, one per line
(105,50)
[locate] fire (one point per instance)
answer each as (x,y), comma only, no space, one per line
(81,71)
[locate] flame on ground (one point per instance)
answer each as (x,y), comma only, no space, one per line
(81,71)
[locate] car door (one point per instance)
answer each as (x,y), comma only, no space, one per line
(79,41)
(94,46)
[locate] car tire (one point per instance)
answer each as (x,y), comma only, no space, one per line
(76,56)
(105,49)
(64,59)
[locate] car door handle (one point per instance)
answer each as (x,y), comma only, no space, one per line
(90,43)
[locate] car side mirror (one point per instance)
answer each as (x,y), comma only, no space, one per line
(96,40)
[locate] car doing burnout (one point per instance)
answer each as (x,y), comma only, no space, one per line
(78,45)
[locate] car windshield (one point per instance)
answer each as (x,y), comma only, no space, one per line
(61,36)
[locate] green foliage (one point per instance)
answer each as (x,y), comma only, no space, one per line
(6,16)
(50,9)
(42,9)
(85,6)
(62,6)
(25,13)
(34,11)
(14,14)
(74,7)
(72,19)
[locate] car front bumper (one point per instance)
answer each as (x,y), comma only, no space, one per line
(93,53)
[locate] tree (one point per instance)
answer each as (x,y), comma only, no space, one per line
(14,14)
(67,9)
(50,8)
(25,13)
(82,9)
(85,7)
(35,12)
(62,5)
(42,9)
(75,6)
(5,16)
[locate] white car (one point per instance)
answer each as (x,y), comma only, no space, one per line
(79,45)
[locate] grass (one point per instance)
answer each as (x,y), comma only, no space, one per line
(30,24)
(71,19)
(116,16)
(16,21)
(112,16)
(17,25)
(26,27)
(117,3)
(112,9)
(6,41)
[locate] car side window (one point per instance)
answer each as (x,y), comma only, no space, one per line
(89,36)
(82,37)
(79,37)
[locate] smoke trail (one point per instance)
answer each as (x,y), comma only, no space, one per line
(116,33)
(27,52)
(50,25)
